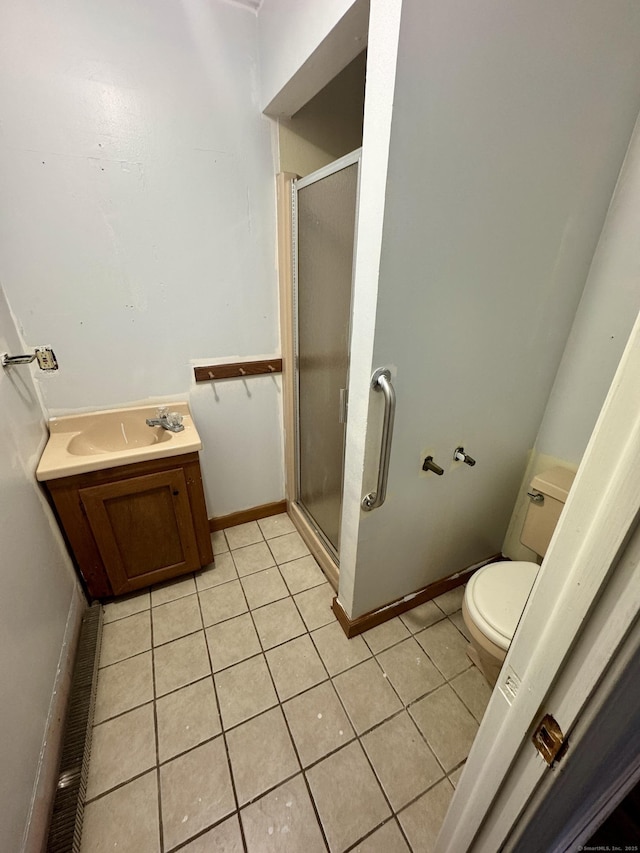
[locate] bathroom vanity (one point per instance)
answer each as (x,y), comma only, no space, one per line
(141,518)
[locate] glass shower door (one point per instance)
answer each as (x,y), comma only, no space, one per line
(324,225)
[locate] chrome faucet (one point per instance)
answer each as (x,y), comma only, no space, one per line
(167,420)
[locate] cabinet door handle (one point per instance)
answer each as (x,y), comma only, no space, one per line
(176,493)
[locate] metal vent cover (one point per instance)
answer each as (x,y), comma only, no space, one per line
(65,829)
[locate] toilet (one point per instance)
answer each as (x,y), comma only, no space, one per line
(496,594)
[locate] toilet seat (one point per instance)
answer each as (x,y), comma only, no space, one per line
(496,595)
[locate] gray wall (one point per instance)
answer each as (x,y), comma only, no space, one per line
(510,125)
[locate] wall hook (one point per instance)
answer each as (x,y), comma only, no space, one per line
(237,370)
(430,465)
(460,456)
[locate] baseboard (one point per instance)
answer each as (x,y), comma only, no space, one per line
(245,515)
(44,789)
(352,627)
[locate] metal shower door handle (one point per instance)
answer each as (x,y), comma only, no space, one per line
(381,381)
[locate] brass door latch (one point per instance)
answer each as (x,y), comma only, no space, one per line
(549,740)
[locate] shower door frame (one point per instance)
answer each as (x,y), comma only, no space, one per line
(316,541)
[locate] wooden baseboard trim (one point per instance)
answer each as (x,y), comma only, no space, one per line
(251,514)
(353,627)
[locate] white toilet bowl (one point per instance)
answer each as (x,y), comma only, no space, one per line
(493,603)
(497,593)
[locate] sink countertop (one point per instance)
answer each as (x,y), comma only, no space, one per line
(95,441)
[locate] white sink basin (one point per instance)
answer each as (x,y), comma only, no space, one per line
(99,440)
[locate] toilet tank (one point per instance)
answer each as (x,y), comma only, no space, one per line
(542,515)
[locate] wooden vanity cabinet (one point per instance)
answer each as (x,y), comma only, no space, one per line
(135,525)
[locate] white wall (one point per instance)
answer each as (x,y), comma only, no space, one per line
(604,319)
(510,123)
(303,46)
(37,590)
(138,234)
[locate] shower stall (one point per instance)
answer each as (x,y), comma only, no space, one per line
(323,207)
(455,260)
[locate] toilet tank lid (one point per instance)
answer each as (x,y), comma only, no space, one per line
(554,482)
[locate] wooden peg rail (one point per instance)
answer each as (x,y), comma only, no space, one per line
(237,370)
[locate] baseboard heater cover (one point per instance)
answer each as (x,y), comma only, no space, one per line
(65,828)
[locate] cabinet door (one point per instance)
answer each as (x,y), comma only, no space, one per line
(143,528)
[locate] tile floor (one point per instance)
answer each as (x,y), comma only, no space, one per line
(232,713)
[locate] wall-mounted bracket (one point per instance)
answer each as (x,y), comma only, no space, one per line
(45,355)
(13,360)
